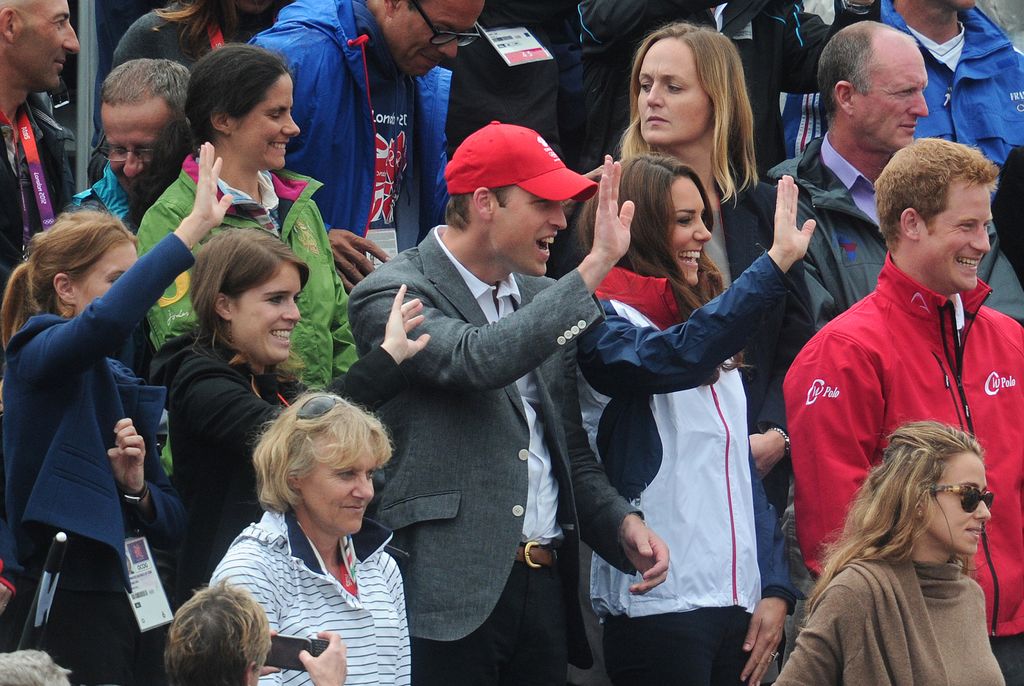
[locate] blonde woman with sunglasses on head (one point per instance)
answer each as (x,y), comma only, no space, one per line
(895,603)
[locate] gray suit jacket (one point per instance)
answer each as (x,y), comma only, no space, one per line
(453,490)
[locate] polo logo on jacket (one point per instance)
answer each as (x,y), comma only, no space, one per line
(994,382)
(819,388)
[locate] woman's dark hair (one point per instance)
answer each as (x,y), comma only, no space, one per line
(647,180)
(231,80)
(197,16)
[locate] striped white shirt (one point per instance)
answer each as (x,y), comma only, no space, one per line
(274,560)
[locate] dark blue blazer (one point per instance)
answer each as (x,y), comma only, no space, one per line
(63,395)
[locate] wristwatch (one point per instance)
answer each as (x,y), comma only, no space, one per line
(136,499)
(856,7)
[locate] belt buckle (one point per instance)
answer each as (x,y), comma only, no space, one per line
(526,555)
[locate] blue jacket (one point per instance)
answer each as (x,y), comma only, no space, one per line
(62,397)
(106,194)
(337,144)
(631,364)
(986,106)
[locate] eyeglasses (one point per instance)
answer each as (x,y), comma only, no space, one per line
(116,153)
(442,37)
(317,406)
(970,495)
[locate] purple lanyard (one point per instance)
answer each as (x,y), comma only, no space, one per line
(24,133)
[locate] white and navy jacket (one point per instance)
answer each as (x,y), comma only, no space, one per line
(679,450)
(274,560)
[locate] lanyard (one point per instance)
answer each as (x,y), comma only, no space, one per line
(216,37)
(25,134)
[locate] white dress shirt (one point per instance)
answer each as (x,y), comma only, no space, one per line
(540,522)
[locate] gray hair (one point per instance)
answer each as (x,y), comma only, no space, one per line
(141,79)
(31,668)
(848,56)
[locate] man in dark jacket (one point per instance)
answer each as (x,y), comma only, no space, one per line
(778,43)
(36,37)
(872,80)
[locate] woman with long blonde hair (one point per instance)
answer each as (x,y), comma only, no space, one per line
(895,603)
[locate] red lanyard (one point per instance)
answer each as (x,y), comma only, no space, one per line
(25,134)
(216,37)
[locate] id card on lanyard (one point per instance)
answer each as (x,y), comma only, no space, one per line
(25,136)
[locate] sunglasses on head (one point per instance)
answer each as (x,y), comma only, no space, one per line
(318,406)
(970,495)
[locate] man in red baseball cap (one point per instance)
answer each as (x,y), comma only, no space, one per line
(492,480)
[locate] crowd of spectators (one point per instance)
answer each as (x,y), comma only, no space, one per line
(378,316)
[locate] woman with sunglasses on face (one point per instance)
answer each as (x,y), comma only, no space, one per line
(688,99)
(240,98)
(313,561)
(236,372)
(895,603)
(665,406)
(80,432)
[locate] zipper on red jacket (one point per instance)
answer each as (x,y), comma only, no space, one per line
(361,41)
(956,364)
(728,492)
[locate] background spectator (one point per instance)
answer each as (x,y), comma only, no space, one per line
(372,106)
(79,432)
(230,376)
(896,602)
(314,562)
(31,668)
(221,637)
(185,31)
(240,98)
(920,346)
(36,38)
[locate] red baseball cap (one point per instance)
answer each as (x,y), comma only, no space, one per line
(505,155)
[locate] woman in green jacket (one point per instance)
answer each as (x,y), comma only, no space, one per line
(240,99)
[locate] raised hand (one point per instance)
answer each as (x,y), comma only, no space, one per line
(207,211)
(404,317)
(789,244)
(611,227)
(126,457)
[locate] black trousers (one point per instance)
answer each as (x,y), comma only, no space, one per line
(92,633)
(1009,652)
(703,647)
(523,641)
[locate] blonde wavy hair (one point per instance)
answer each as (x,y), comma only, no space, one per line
(291,446)
(720,74)
(882,523)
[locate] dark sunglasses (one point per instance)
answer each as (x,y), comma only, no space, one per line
(970,496)
(318,406)
(444,37)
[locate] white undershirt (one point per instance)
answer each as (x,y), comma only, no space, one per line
(540,520)
(949,52)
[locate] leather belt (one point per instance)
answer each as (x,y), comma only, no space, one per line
(536,555)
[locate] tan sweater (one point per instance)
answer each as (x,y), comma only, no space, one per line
(901,624)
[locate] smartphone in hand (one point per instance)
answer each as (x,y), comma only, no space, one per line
(284,650)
